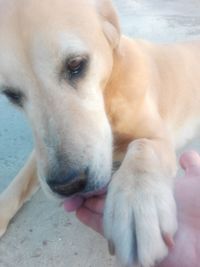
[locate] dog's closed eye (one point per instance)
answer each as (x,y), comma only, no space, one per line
(15,96)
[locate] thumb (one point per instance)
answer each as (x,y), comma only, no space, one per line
(190,160)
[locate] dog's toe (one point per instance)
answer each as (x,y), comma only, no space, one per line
(119,228)
(136,222)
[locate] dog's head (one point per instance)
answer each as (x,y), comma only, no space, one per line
(56,57)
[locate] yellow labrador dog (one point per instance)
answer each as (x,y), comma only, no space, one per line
(87,91)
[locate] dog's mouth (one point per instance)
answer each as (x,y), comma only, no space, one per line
(73,203)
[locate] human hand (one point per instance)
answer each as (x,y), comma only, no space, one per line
(91,213)
(186,251)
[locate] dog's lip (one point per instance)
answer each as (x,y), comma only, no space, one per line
(71,204)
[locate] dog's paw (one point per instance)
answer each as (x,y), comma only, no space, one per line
(139,216)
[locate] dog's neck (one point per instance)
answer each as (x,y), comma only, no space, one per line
(122,91)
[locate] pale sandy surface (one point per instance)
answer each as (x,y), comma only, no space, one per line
(42,234)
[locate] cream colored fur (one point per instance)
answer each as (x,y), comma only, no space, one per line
(147,94)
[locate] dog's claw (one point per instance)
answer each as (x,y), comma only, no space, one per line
(169,241)
(111,248)
(116,166)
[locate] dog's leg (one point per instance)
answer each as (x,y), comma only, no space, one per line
(24,185)
(140,213)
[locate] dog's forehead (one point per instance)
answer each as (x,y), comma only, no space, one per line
(52,21)
(29,26)
(51,13)
(32,15)
(37,35)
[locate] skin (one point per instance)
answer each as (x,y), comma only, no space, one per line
(186,249)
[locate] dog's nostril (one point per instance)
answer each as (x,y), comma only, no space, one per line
(68,188)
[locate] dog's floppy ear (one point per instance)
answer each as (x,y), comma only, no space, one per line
(110,21)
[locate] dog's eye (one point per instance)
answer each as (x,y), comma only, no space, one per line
(14,96)
(76,66)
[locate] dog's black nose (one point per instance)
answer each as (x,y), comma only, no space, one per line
(69,185)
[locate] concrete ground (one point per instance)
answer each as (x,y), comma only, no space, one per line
(42,234)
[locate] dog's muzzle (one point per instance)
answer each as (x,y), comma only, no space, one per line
(72,183)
